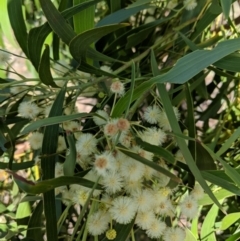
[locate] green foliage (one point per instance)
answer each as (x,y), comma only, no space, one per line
(160,85)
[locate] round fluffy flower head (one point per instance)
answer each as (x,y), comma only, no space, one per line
(4,57)
(165,191)
(117,87)
(123,209)
(197,192)
(28,110)
(111,128)
(80,196)
(112,182)
(152,114)
(174,234)
(132,186)
(104,163)
(111,234)
(153,136)
(164,122)
(86,144)
(100,120)
(144,219)
(66,196)
(126,139)
(73,126)
(142,153)
(189,207)
(142,200)
(155,229)
(165,208)
(160,194)
(35,140)
(123,124)
(98,223)
(132,169)
(190,4)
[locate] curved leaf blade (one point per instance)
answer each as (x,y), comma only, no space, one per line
(18,25)
(47,185)
(229,220)
(34,231)
(36,39)
(226,5)
(148,163)
(38,35)
(119,16)
(48,159)
(208,229)
(157,150)
(52,121)
(193,63)
(17,166)
(57,21)
(79,45)
(230,63)
(44,69)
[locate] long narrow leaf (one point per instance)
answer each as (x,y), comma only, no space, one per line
(220,194)
(221,182)
(230,171)
(34,225)
(18,25)
(52,121)
(79,45)
(48,185)
(182,144)
(119,16)
(157,150)
(57,22)
(229,142)
(44,69)
(149,163)
(48,159)
(226,5)
(191,64)
(80,217)
(131,90)
(17,166)
(38,35)
(208,229)
(85,20)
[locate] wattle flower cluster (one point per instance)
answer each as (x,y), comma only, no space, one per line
(132,191)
